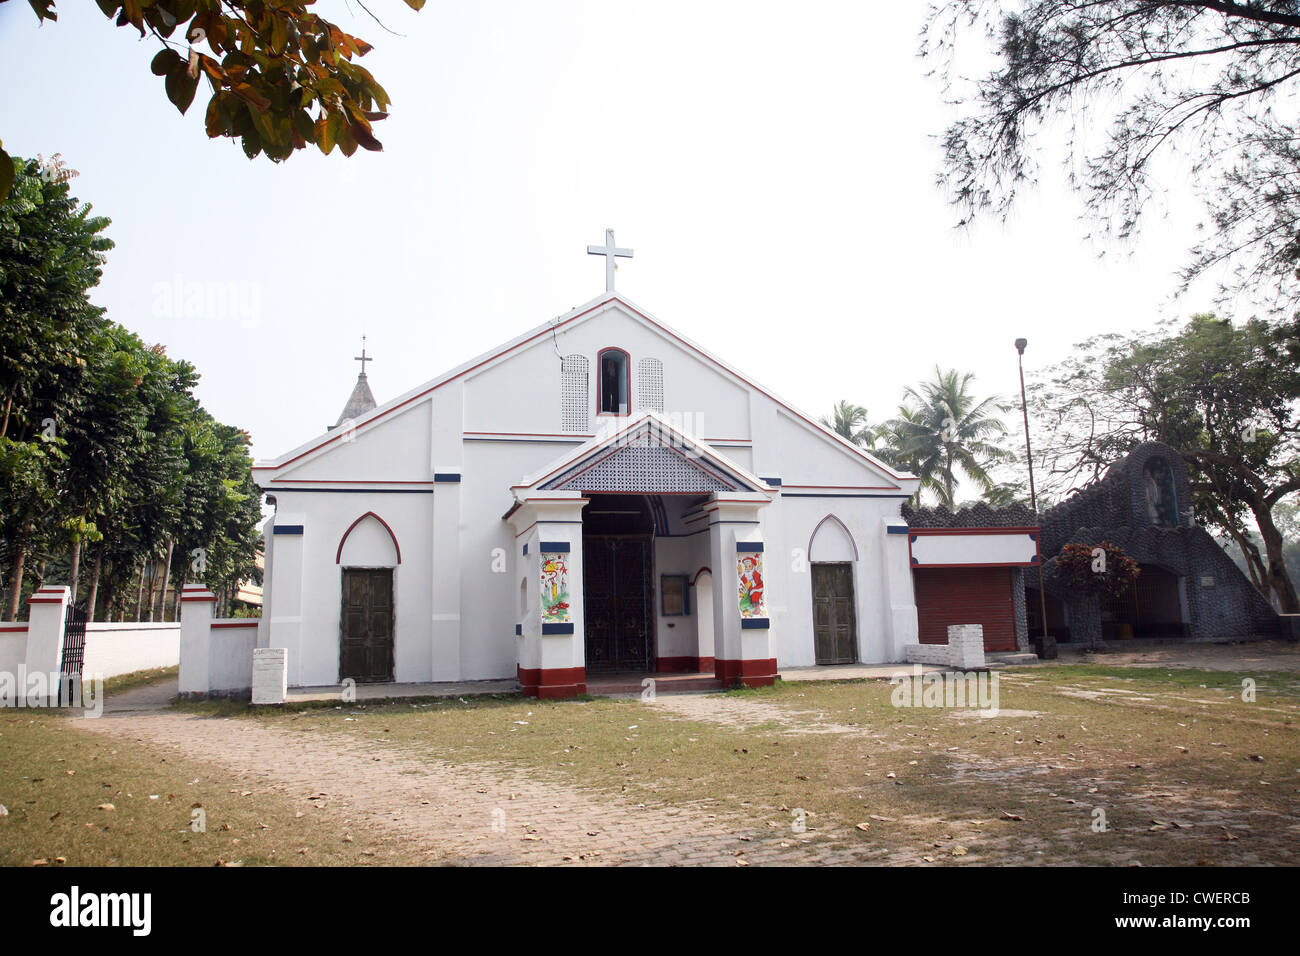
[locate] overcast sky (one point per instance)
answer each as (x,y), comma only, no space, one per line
(772,165)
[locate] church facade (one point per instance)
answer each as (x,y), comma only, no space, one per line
(597,495)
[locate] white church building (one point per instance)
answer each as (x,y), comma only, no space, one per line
(598,495)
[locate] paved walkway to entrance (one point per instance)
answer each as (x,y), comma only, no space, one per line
(852,671)
(448,811)
(298,695)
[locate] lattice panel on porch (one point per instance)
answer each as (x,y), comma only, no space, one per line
(648,469)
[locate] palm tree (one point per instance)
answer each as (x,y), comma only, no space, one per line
(850,421)
(942,428)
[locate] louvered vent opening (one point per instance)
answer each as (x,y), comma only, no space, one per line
(650,387)
(575,407)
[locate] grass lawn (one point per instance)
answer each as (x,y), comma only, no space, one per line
(1185,771)
(84,799)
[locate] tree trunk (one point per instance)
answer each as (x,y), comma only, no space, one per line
(153,579)
(1278,578)
(16,573)
(93,596)
(139,591)
(74,568)
(1254,563)
(166,579)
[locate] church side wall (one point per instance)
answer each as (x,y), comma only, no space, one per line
(326,516)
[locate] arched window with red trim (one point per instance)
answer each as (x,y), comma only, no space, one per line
(615,386)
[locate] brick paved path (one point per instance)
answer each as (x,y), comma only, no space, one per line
(462,813)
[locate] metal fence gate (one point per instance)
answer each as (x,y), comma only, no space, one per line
(74,655)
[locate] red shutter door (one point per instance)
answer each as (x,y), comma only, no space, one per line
(966,596)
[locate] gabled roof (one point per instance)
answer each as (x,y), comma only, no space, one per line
(575,316)
(647,455)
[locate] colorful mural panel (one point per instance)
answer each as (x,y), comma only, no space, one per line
(555,588)
(749,574)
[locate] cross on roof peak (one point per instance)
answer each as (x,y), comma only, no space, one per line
(362,358)
(609,251)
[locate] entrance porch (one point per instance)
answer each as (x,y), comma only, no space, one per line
(625,568)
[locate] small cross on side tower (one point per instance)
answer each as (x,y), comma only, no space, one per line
(362,357)
(609,251)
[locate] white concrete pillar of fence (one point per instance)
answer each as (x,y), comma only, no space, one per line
(47,609)
(966,646)
(197,606)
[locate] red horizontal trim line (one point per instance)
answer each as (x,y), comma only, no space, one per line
(978,564)
(941,531)
(657,494)
(357,481)
(41,600)
(198,597)
(533,434)
(848,487)
(12,628)
(251,623)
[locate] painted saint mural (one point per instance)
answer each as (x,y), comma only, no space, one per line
(749,572)
(555,588)
(1162,501)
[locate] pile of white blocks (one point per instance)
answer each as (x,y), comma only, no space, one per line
(964,650)
(270,675)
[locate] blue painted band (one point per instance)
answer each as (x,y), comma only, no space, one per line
(557,628)
(287,529)
(554,546)
(525,548)
(754,623)
(897,529)
(774,482)
(448,477)
(747,546)
(519,630)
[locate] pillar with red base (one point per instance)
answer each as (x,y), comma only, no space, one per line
(549,632)
(742,629)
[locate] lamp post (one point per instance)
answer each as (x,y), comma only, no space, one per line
(1044,650)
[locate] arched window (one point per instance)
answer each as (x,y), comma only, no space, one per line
(575,407)
(650,384)
(615,387)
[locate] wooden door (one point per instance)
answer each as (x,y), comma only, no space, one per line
(834,621)
(617,602)
(366,644)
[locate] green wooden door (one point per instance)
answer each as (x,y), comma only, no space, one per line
(834,623)
(366,642)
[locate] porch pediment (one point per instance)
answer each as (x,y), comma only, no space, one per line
(647,456)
